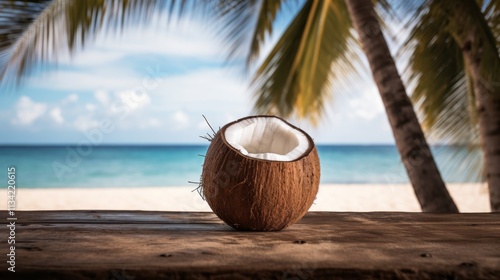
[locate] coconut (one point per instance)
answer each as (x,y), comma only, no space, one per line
(260,173)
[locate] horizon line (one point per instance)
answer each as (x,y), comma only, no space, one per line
(187,144)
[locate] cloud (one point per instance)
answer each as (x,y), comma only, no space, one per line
(134,100)
(368,105)
(90,107)
(106,64)
(151,122)
(182,39)
(154,122)
(189,39)
(28,111)
(102,97)
(72,98)
(181,119)
(85,122)
(204,90)
(56,115)
(110,77)
(202,125)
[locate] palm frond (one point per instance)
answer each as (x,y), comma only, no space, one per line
(441,85)
(469,18)
(245,25)
(50,30)
(460,161)
(491,12)
(436,66)
(15,18)
(305,65)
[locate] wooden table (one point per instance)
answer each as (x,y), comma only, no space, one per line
(149,245)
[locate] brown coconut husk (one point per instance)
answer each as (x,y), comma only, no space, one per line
(257,194)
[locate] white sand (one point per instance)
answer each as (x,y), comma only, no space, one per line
(468,197)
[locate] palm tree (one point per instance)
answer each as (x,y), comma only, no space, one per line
(297,77)
(408,134)
(454,63)
(315,50)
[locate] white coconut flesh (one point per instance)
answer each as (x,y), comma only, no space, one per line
(267,138)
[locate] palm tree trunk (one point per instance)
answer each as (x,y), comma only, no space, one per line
(487,99)
(424,175)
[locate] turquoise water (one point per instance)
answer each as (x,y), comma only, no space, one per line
(136,166)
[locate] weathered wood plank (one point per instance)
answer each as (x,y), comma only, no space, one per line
(149,245)
(118,217)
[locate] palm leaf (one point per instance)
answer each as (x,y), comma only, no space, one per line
(470,18)
(15,18)
(492,14)
(245,25)
(441,85)
(314,52)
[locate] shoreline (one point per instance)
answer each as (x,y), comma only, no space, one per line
(469,197)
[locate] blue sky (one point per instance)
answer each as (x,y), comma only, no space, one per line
(151,86)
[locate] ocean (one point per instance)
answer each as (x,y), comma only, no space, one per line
(175,165)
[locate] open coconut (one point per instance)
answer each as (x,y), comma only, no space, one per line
(260,173)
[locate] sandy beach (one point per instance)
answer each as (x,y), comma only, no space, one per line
(468,197)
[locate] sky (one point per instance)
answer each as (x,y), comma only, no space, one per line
(152,86)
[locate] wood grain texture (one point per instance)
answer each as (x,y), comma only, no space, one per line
(175,245)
